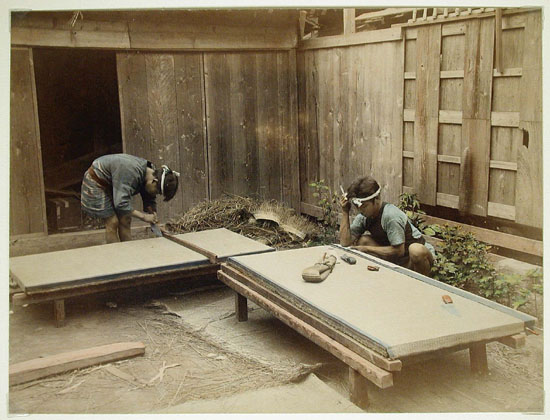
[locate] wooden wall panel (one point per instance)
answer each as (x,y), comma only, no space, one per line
(218,123)
(27,200)
(188,72)
(476,116)
(163,120)
(290,154)
(427,113)
(529,191)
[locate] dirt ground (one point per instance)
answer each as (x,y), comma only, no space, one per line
(198,355)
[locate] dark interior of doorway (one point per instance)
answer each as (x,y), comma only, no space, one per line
(79,118)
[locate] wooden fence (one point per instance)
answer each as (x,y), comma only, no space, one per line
(426,111)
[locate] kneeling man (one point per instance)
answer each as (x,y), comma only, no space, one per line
(391,235)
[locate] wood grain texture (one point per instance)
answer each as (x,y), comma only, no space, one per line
(476,114)
(291,156)
(427,113)
(188,73)
(78,359)
(163,120)
(27,200)
(529,184)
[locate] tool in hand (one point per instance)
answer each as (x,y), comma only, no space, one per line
(344,194)
(350,260)
(154,228)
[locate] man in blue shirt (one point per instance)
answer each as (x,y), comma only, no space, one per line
(110,183)
(391,235)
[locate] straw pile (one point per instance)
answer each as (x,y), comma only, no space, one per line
(265,221)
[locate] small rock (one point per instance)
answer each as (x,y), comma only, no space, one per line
(111,304)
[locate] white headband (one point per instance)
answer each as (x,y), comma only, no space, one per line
(165,170)
(359,201)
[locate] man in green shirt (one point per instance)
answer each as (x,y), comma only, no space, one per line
(391,235)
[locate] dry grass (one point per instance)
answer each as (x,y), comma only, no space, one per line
(237,214)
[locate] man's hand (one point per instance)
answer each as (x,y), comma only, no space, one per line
(345,203)
(150,217)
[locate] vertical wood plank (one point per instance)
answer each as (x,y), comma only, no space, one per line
(191,118)
(476,116)
(358,389)
(27,200)
(478,358)
(428,47)
(291,178)
(241,307)
(59,312)
(312,119)
(529,185)
(218,117)
(349,21)
(163,120)
(268,142)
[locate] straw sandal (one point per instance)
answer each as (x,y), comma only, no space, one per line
(320,271)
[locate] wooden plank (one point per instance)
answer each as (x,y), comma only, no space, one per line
(508,166)
(498,40)
(514,341)
(312,146)
(27,199)
(503,240)
(390,11)
(378,376)
(529,181)
(409,75)
(134,110)
(478,358)
(41,37)
(501,210)
(427,113)
(269,166)
(409,115)
(190,122)
(476,112)
(450,117)
(448,159)
(367,37)
(59,312)
(241,307)
(349,21)
(452,74)
(511,72)
(358,390)
(408,154)
(291,171)
(218,124)
(505,119)
(447,200)
(456,28)
(368,354)
(163,120)
(78,359)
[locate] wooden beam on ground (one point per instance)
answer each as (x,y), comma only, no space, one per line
(358,391)
(492,237)
(514,341)
(478,358)
(63,362)
(241,307)
(378,376)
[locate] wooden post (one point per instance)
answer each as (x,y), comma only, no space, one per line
(358,389)
(478,358)
(349,21)
(498,39)
(241,307)
(59,312)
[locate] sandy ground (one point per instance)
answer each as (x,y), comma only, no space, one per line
(200,359)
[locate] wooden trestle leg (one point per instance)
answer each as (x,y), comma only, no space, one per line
(241,307)
(478,358)
(358,389)
(59,312)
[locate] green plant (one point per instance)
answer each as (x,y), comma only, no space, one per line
(409,204)
(328,203)
(462,261)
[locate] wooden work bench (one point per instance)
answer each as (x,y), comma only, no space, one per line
(60,275)
(368,360)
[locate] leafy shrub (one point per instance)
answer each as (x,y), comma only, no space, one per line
(409,204)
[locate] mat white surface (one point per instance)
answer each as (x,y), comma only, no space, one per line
(403,314)
(109,261)
(224,243)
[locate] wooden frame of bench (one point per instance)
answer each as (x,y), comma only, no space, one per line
(364,364)
(58,295)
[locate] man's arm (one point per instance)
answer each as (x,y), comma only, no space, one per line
(382,251)
(346,238)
